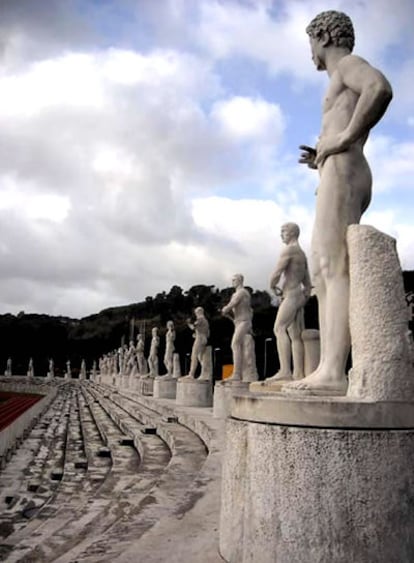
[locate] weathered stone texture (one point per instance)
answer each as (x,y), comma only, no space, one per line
(321,496)
(378,319)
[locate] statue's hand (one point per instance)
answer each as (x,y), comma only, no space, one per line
(308,156)
(328,145)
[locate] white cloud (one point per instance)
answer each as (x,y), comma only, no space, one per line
(392,163)
(246,119)
(70,80)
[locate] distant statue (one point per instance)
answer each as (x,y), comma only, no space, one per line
(239,311)
(51,371)
(357,97)
(153,355)
(130,359)
(68,370)
(8,371)
(201,335)
(82,373)
(169,348)
(142,362)
(30,368)
(289,324)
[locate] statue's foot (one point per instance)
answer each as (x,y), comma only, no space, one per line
(189,376)
(320,382)
(298,376)
(279,376)
(204,378)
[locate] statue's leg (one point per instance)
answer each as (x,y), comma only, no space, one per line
(343,195)
(298,349)
(194,359)
(285,317)
(237,349)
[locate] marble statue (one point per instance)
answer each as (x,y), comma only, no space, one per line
(142,362)
(357,98)
(130,359)
(8,367)
(289,323)
(201,335)
(169,348)
(30,368)
(68,370)
(153,355)
(82,373)
(51,371)
(240,312)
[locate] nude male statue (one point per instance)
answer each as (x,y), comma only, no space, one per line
(169,348)
(201,335)
(142,362)
(239,310)
(153,354)
(289,323)
(357,98)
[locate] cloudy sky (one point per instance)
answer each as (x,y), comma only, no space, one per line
(147,143)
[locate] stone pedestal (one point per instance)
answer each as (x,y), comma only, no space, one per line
(145,385)
(223,393)
(194,393)
(311,343)
(165,387)
(317,480)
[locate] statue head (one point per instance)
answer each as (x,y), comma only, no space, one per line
(289,231)
(154,331)
(337,24)
(170,325)
(199,312)
(237,280)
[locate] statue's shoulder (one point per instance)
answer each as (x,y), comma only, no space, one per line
(350,62)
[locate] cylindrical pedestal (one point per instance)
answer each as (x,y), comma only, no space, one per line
(317,495)
(165,388)
(194,393)
(223,394)
(311,343)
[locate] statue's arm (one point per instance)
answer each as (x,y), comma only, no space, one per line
(280,268)
(375,93)
(235,300)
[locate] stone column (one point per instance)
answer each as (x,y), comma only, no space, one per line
(311,343)
(176,366)
(249,360)
(207,365)
(382,368)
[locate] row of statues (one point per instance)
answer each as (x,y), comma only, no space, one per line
(51,369)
